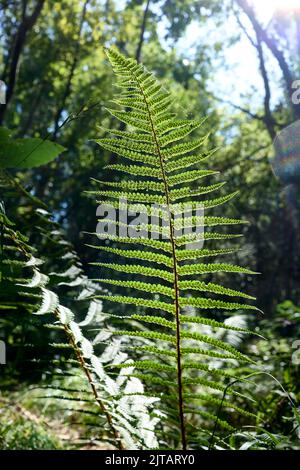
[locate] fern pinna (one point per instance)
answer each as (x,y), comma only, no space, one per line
(159,161)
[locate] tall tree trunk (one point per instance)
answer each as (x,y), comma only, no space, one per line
(25,26)
(269,120)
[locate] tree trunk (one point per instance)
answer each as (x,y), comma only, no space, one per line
(25,26)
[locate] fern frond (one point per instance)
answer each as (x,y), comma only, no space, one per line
(211,287)
(136,170)
(181,133)
(157,140)
(138,137)
(132,185)
(190,176)
(187,162)
(215,304)
(203,253)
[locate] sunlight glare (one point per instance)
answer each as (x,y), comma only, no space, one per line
(268,7)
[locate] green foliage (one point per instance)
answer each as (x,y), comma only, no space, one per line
(26,288)
(17,432)
(26,153)
(61,85)
(148,114)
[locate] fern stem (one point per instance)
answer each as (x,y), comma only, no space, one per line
(89,377)
(176,281)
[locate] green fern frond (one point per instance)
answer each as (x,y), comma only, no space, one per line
(168,174)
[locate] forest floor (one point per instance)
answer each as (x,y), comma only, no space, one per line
(31,424)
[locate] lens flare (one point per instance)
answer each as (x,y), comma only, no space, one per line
(286,160)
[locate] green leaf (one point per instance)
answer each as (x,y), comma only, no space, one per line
(148,365)
(202,253)
(137,170)
(137,269)
(213,323)
(146,334)
(26,153)
(189,176)
(215,304)
(186,162)
(211,287)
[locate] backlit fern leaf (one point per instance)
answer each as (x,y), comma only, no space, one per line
(155,139)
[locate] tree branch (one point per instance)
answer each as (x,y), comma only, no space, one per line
(271,44)
(240,108)
(142,32)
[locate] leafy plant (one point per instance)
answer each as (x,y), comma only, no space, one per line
(26,153)
(171,355)
(156,379)
(19,429)
(26,288)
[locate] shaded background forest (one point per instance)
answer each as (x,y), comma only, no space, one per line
(232,61)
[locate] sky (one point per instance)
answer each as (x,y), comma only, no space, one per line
(236,75)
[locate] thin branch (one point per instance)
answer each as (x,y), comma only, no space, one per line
(243,28)
(142,32)
(240,108)
(268,117)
